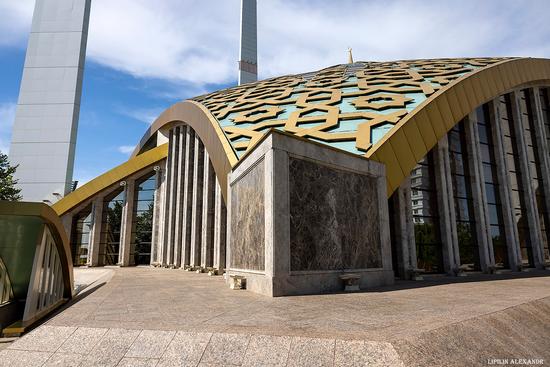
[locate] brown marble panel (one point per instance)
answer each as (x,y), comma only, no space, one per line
(248,221)
(334,219)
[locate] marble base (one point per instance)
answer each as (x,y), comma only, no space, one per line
(302,215)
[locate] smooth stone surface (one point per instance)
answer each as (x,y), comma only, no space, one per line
(334,219)
(137,362)
(266,350)
(82,341)
(248,220)
(112,347)
(226,349)
(150,344)
(311,352)
(22,358)
(44,339)
(64,360)
(185,349)
(365,353)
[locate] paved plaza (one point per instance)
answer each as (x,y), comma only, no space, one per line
(163,317)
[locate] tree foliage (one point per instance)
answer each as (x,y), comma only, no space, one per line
(8,190)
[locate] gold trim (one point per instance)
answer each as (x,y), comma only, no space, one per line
(116,174)
(414,134)
(195,115)
(460,97)
(52,220)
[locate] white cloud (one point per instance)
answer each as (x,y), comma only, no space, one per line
(195,42)
(15,21)
(146,115)
(126,149)
(7,116)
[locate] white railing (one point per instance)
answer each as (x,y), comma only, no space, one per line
(46,284)
(6,292)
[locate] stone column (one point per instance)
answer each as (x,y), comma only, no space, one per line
(67,221)
(95,233)
(505,192)
(156,236)
(126,225)
(404,231)
(171,218)
(542,151)
(220,229)
(477,182)
(188,170)
(196,209)
(530,201)
(445,202)
(167,217)
(207,235)
(178,222)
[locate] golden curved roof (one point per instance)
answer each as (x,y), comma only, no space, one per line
(349,106)
(391,112)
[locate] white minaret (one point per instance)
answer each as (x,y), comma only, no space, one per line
(248,55)
(46,120)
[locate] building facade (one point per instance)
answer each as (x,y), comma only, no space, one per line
(350,175)
(46,121)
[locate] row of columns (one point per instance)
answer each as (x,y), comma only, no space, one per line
(191,207)
(403,217)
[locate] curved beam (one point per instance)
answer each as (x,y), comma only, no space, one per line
(420,130)
(116,174)
(195,115)
(52,220)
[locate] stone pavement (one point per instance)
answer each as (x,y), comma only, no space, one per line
(165,317)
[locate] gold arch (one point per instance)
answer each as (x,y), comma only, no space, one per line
(420,130)
(119,173)
(206,126)
(52,220)
(413,136)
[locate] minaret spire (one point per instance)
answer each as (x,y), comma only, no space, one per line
(248,55)
(350,56)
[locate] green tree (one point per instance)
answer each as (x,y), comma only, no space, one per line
(8,191)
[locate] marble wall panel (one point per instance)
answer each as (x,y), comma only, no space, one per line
(334,219)
(248,220)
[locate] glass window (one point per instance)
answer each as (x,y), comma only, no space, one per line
(535,167)
(426,217)
(465,220)
(142,226)
(512,159)
(80,241)
(110,228)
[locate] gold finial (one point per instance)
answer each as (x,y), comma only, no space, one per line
(350,56)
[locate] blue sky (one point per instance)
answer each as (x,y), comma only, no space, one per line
(145,55)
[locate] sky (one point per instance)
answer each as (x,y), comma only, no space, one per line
(145,55)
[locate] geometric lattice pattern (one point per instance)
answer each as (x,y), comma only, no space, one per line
(349,106)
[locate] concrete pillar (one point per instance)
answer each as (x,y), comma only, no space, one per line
(505,191)
(543,154)
(196,209)
(445,203)
(171,217)
(187,200)
(404,231)
(156,235)
(166,205)
(207,235)
(67,221)
(477,182)
(220,229)
(178,221)
(124,258)
(530,201)
(95,232)
(167,240)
